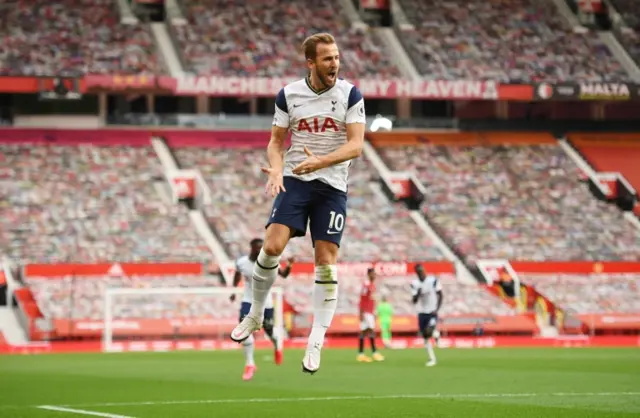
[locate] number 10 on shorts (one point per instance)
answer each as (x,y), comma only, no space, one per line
(336,222)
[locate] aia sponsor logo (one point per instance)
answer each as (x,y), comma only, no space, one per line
(316,125)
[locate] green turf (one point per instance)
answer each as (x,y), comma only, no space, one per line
(579,382)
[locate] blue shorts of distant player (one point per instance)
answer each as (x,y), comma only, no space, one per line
(314,203)
(427,321)
(245,307)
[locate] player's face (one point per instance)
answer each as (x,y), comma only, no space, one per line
(255,249)
(327,64)
(372,275)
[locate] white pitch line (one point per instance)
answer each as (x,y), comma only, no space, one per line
(361,397)
(81,411)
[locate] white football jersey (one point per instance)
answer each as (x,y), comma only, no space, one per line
(319,121)
(245,266)
(428,300)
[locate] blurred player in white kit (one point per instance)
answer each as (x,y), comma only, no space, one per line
(426,293)
(244,269)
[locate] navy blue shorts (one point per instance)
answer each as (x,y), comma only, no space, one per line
(268,314)
(314,203)
(427,320)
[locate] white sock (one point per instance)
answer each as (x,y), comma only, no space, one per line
(325,301)
(429,347)
(247,347)
(276,339)
(265,273)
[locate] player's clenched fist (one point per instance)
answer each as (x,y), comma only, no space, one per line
(311,164)
(274,184)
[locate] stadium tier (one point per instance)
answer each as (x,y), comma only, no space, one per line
(76,204)
(507,41)
(75,306)
(611,153)
(590,294)
(73,37)
(379,230)
(263,38)
(629,37)
(516,202)
(600,301)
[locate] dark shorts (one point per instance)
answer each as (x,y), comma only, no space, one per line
(314,203)
(427,320)
(268,314)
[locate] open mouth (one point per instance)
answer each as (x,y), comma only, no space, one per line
(331,75)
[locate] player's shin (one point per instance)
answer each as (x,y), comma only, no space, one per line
(361,343)
(271,334)
(432,355)
(265,273)
(325,301)
(372,341)
(385,331)
(248,348)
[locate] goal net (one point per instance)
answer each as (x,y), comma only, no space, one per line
(176,318)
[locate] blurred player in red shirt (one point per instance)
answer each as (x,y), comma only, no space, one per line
(368,319)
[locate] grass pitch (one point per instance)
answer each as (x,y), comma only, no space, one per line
(553,382)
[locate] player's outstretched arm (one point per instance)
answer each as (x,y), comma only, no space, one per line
(275,155)
(236,281)
(287,270)
(416,291)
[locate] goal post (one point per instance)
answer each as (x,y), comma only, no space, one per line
(167,314)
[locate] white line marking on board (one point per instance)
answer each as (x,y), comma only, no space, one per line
(361,397)
(81,411)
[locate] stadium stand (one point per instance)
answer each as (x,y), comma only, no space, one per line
(63,299)
(80,297)
(630,39)
(378,230)
(589,294)
(262,39)
(73,37)
(620,153)
(89,204)
(462,299)
(515,202)
(503,40)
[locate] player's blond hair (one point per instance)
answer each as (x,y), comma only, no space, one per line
(310,45)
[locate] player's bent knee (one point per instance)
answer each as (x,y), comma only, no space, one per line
(428,333)
(326,253)
(276,239)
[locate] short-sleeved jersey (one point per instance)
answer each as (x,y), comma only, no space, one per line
(245,266)
(428,300)
(319,121)
(367,302)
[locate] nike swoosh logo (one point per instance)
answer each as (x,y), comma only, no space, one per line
(329,300)
(332,232)
(296,105)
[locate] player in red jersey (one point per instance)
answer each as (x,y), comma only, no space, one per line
(368,319)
